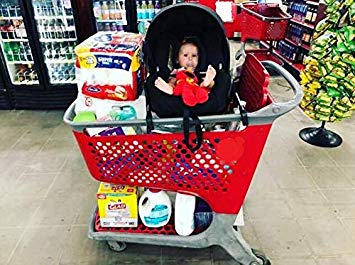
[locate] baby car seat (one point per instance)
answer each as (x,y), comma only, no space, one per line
(166,32)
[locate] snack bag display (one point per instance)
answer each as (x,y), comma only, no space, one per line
(117,205)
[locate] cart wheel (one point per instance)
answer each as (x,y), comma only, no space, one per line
(117,245)
(261,256)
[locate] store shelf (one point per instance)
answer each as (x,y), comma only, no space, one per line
(144,19)
(57,40)
(14,40)
(54,17)
(8,18)
(304,24)
(60,61)
(312,3)
(20,62)
(28,83)
(297,66)
(118,21)
(56,82)
(304,46)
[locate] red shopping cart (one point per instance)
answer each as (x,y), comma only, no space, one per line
(219,172)
(262,22)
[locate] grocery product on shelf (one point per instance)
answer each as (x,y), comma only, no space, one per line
(328,80)
(296,44)
(57,36)
(110,15)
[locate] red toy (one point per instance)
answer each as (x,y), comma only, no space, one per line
(188,88)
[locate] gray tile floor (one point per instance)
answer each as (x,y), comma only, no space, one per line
(300,208)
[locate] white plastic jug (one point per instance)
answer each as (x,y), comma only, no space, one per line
(154,208)
(184,214)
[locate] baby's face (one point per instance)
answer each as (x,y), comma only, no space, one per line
(188,56)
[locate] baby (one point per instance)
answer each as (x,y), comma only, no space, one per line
(183,81)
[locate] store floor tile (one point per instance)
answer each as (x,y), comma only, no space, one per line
(300,208)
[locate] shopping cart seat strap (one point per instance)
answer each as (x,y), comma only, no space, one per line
(198,129)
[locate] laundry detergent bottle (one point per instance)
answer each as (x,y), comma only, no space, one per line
(154,208)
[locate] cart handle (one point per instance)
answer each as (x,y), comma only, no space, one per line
(266,115)
(271,19)
(279,108)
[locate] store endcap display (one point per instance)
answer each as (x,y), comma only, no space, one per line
(328,80)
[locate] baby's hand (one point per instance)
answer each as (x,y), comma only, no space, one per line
(210,75)
(163,86)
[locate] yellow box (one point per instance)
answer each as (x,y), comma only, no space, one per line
(117,205)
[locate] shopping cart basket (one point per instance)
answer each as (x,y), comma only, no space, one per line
(262,22)
(220,172)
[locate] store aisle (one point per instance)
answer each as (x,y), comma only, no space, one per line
(300,208)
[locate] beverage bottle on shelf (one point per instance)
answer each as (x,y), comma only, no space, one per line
(67,7)
(113,27)
(123,10)
(308,17)
(145,14)
(8,51)
(22,52)
(28,52)
(41,29)
(47,50)
(156,7)
(111,9)
(27,72)
(18,11)
(52,29)
(120,28)
(105,11)
(97,10)
(118,8)
(58,31)
(10,32)
(21,73)
(139,11)
(107,27)
(16,51)
(100,26)
(63,51)
(150,9)
(70,54)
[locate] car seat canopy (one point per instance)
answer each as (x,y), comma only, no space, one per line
(173,24)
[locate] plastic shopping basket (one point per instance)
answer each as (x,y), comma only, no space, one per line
(263,22)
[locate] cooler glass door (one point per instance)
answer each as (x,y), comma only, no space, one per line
(110,15)
(57,37)
(15,45)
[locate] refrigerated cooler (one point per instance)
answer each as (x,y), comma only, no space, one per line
(57,38)
(37,44)
(15,46)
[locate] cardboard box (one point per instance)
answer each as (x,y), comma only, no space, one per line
(118,205)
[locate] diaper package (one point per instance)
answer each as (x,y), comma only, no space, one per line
(109,67)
